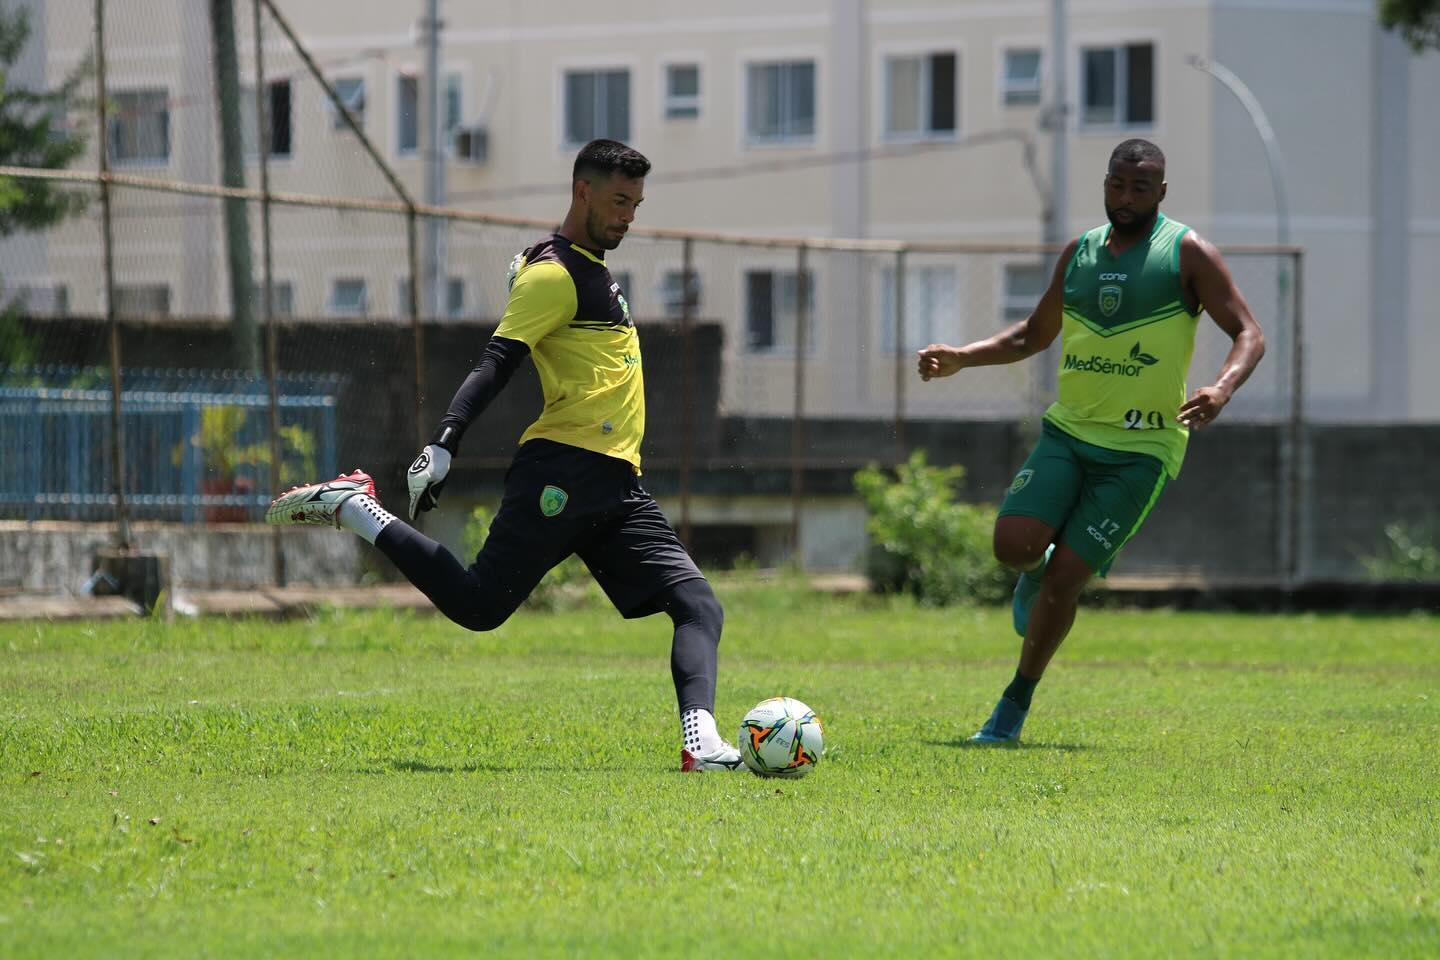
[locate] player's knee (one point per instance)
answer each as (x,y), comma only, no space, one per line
(694,601)
(1016,553)
(482,613)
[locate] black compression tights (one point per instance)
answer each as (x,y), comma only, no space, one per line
(472,600)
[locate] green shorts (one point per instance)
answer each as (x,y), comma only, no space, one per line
(1094,497)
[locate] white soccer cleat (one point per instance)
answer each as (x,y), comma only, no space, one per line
(319,502)
(723,757)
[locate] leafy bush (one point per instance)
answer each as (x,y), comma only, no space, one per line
(567,585)
(1410,553)
(924,542)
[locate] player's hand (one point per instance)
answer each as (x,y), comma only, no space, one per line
(1203,407)
(426,477)
(938,360)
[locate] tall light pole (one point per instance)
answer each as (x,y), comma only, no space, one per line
(432,297)
(1267,137)
(1293,530)
(1056,119)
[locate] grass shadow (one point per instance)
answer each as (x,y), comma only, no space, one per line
(968,744)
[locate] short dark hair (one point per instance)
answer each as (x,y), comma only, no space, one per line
(1138,151)
(604,157)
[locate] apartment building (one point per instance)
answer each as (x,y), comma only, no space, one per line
(911,119)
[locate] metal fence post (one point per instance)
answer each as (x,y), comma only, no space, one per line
(117,436)
(272,352)
(687,383)
(901,355)
(417,330)
(1301,540)
(797,425)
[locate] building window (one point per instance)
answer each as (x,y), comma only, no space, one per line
(454,297)
(140,126)
(772,301)
(672,293)
(1020,83)
(454,106)
(348,297)
(597,104)
(351,91)
(780,102)
(284,292)
(142,300)
(1117,86)
(407,111)
(41,300)
(920,95)
(931,311)
(278,109)
(1024,286)
(682,91)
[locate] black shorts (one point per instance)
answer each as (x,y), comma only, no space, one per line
(562,500)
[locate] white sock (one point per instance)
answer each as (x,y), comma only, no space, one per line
(361,514)
(697,728)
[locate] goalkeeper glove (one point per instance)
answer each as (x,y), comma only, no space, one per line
(426,477)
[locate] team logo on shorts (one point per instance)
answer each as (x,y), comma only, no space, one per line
(553,500)
(1110,299)
(1022,479)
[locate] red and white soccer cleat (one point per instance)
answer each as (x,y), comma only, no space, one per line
(723,757)
(319,502)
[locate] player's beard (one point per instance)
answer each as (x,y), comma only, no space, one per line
(1139,225)
(599,233)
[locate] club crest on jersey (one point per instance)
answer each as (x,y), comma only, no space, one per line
(624,304)
(1022,480)
(1110,299)
(553,500)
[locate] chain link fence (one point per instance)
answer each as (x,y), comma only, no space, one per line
(147,374)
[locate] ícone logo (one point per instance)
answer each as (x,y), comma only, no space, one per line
(1022,479)
(1110,299)
(624,307)
(553,500)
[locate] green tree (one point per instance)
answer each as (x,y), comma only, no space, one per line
(1417,20)
(31,135)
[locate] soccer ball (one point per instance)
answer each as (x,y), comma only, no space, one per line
(781,737)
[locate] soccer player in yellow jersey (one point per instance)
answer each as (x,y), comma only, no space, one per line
(1124,300)
(574,486)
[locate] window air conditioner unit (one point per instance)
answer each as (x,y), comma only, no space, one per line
(472,144)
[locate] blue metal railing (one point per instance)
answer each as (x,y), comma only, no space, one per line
(55,443)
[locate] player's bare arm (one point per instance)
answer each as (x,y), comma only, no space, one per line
(1015,343)
(1207,278)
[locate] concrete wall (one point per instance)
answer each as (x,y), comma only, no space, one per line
(55,557)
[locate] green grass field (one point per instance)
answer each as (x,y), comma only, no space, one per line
(384,784)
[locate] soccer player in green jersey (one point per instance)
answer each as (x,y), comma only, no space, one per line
(574,486)
(1124,299)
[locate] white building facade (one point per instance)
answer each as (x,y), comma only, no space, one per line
(907,120)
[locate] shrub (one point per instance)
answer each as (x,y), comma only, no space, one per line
(1410,553)
(924,542)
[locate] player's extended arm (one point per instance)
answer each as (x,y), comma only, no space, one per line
(1024,339)
(541,299)
(1210,280)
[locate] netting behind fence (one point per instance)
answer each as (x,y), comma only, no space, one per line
(773,368)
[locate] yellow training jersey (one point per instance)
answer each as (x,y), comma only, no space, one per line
(570,312)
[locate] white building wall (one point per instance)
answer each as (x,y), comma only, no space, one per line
(1312,63)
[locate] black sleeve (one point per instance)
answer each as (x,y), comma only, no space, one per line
(499,361)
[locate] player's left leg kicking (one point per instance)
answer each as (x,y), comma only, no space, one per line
(642,567)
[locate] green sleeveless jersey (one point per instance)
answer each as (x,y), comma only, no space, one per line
(1126,342)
